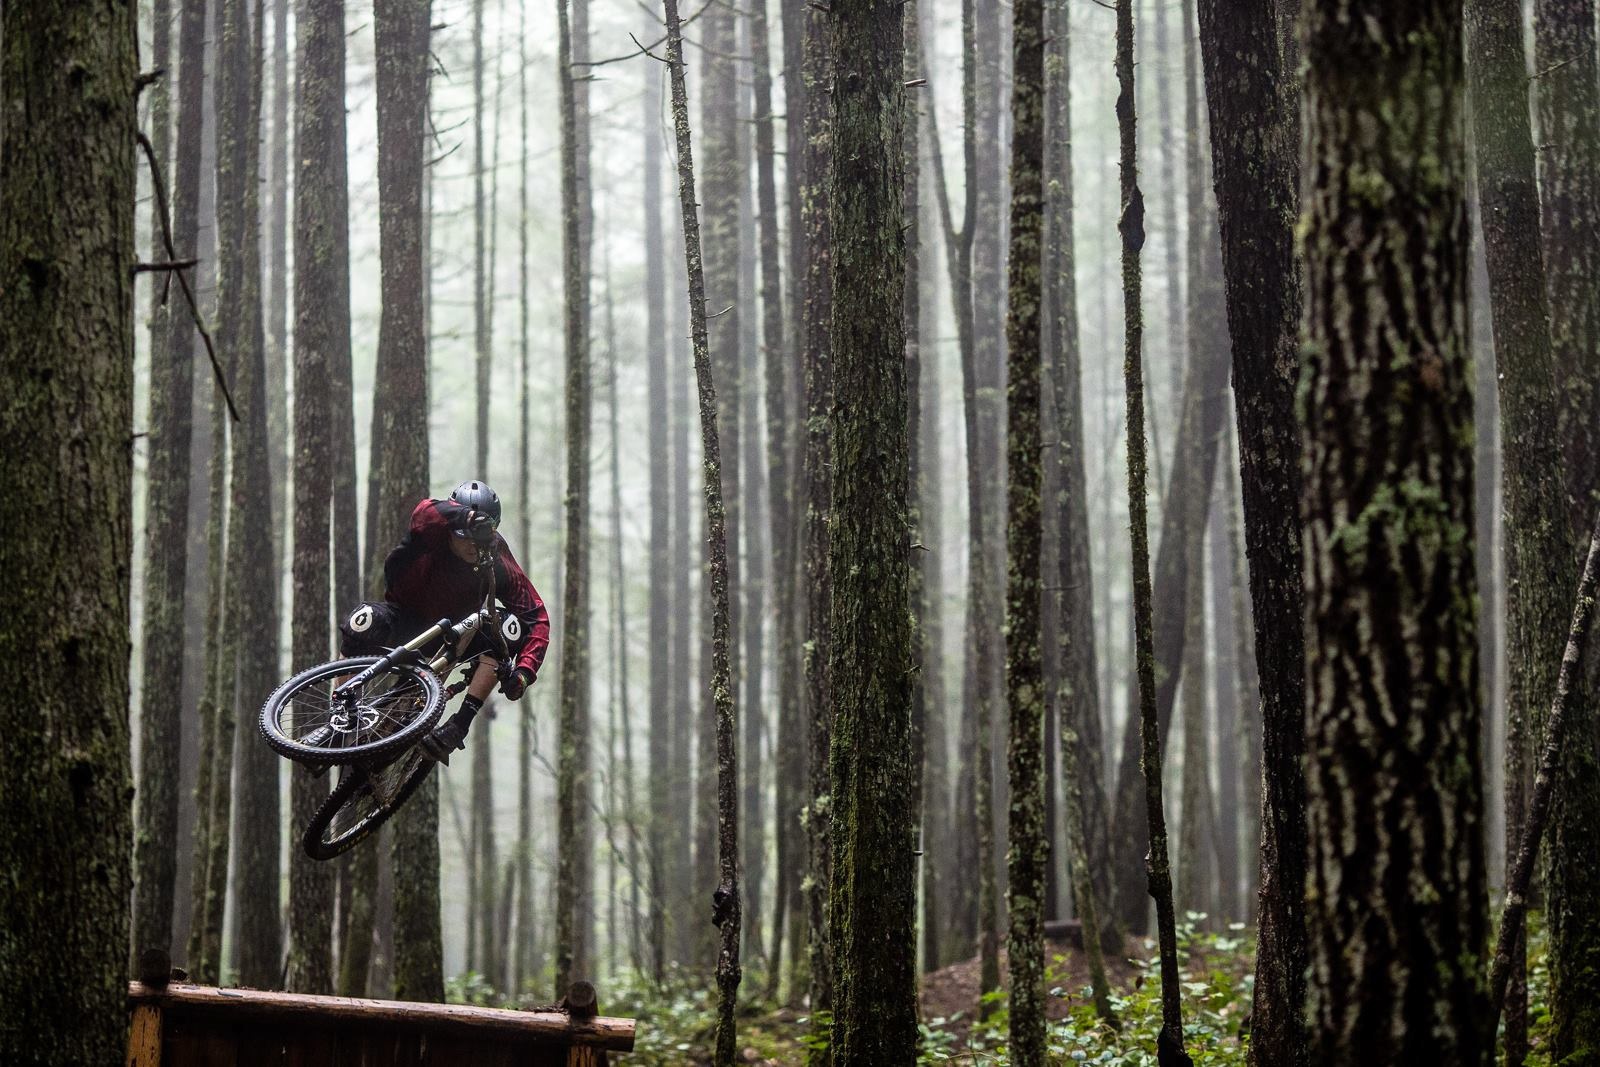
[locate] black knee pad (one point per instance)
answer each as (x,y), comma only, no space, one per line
(370,629)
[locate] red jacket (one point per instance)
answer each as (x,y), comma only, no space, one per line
(428,582)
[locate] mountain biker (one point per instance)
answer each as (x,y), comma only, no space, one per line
(449,560)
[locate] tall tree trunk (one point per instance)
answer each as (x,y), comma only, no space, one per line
(683,915)
(67,254)
(321,286)
(1253,112)
(573,785)
(1539,561)
(872,909)
(277,275)
(400,424)
(1076,701)
(977,773)
(779,404)
(253,593)
(725,899)
(1130,224)
(155,845)
(1390,581)
(1567,94)
(815,312)
(663,623)
(1030,850)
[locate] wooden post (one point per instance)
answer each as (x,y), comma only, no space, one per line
(144,1037)
(582,1004)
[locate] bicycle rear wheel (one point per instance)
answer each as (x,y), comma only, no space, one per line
(363,801)
(390,712)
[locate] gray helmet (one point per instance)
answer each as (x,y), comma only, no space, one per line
(480,498)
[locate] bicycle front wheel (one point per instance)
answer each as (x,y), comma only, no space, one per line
(392,711)
(363,801)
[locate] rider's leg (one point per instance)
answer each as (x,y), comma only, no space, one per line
(452,733)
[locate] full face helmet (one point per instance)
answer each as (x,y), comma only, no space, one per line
(478,497)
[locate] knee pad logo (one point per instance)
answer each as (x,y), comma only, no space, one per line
(361,620)
(511,629)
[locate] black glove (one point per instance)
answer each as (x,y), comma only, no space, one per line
(480,528)
(514,686)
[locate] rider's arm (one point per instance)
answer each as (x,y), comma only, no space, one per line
(519,595)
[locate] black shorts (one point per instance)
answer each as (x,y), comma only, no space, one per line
(374,627)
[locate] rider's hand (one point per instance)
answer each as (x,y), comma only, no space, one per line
(480,527)
(517,684)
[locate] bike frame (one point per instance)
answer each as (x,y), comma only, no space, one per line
(459,633)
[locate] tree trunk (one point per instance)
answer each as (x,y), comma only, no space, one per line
(321,284)
(573,785)
(663,825)
(253,593)
(1130,224)
(816,315)
(67,254)
(276,281)
(1567,95)
(1539,561)
(780,402)
(725,899)
(155,845)
(400,425)
(1253,109)
(1397,972)
(872,909)
(1030,850)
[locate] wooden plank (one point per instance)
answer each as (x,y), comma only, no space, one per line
(290,1009)
(144,1037)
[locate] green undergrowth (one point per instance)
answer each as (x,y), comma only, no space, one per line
(677,1020)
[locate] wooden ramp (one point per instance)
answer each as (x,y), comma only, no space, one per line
(203,1026)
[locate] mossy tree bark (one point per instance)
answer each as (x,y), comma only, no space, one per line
(1030,850)
(1253,110)
(1397,892)
(873,893)
(66,360)
(253,600)
(572,783)
(520,964)
(400,436)
(321,285)
(155,846)
(1567,95)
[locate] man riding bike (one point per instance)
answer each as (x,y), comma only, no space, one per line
(450,560)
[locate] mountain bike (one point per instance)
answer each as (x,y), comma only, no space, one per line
(367,715)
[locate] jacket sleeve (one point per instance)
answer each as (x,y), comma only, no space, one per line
(429,527)
(518,594)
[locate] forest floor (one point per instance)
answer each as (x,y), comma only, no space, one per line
(677,1029)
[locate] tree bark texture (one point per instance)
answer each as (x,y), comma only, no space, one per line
(155,843)
(815,314)
(321,284)
(66,357)
(1253,111)
(400,427)
(572,783)
(1030,850)
(1397,890)
(873,892)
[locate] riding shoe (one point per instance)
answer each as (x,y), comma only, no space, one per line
(447,736)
